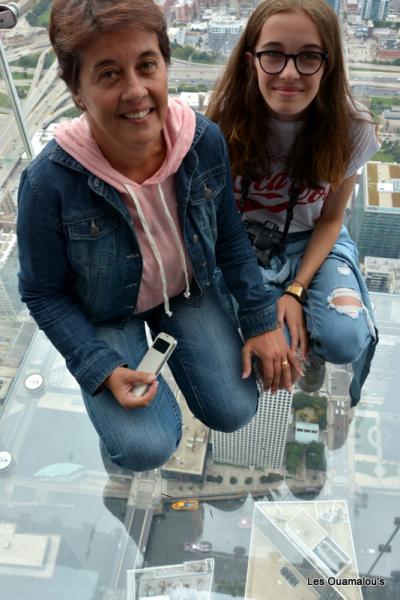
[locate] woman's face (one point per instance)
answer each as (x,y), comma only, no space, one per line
(123,87)
(288,94)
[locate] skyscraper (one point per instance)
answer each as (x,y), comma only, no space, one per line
(375,218)
(375,9)
(261,443)
(335,5)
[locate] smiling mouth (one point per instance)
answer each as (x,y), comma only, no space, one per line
(288,90)
(137,115)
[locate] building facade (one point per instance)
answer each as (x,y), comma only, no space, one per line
(261,443)
(224,33)
(375,219)
(375,9)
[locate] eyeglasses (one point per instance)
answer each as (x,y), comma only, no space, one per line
(273,62)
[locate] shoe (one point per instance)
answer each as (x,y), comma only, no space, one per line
(314,373)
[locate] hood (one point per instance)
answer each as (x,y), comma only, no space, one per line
(76,139)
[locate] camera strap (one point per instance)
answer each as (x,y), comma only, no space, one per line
(294,196)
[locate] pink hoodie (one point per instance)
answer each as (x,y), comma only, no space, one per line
(166,265)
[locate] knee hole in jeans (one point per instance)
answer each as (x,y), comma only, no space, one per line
(346,302)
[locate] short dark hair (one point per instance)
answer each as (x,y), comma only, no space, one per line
(74,24)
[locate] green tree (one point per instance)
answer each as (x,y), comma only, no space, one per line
(29,61)
(38,16)
(294,453)
(315,456)
(322,421)
(270,478)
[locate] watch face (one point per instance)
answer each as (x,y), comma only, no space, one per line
(297,290)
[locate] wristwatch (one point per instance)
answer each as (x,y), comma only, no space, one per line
(297,291)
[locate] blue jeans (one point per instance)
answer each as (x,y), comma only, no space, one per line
(338,334)
(206,365)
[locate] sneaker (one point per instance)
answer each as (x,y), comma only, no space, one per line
(314,373)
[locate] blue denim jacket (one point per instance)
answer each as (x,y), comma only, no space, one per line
(80,262)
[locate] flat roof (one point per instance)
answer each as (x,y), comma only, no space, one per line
(274,552)
(189,458)
(382,186)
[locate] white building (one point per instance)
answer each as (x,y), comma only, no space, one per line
(192,579)
(306,432)
(261,443)
(382,274)
(224,33)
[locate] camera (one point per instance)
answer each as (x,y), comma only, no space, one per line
(154,359)
(266,240)
(9,14)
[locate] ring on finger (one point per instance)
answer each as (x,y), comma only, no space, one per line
(285,363)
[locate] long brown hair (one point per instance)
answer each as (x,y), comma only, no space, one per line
(322,147)
(74,24)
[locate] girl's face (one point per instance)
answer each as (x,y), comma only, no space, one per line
(288,94)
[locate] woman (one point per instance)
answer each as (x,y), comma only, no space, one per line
(122,221)
(296,139)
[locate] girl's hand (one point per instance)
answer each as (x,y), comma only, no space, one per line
(121,381)
(291,312)
(280,367)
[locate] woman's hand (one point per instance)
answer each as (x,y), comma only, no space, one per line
(121,381)
(280,366)
(291,312)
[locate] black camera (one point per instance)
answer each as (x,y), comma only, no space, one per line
(266,240)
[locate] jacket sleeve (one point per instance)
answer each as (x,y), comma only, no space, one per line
(237,260)
(44,280)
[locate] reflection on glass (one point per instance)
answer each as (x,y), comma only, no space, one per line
(309,490)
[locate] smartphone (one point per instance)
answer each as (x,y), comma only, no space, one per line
(154,359)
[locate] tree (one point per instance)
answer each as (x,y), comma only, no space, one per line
(270,478)
(36,16)
(233,480)
(248,480)
(322,421)
(315,456)
(294,453)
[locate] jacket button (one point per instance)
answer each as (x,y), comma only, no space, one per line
(195,238)
(96,182)
(203,265)
(207,192)
(94,230)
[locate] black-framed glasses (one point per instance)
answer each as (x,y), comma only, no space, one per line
(307,62)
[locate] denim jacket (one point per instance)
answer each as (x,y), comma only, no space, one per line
(80,262)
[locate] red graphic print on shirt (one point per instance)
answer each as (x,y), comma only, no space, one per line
(272,194)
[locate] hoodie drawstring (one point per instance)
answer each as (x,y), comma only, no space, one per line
(177,240)
(154,247)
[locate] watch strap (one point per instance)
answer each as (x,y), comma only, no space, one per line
(295,296)
(297,291)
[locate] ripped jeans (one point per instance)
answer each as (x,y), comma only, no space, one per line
(338,311)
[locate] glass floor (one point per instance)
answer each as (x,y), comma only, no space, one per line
(320,518)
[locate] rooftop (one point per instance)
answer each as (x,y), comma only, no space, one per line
(383,186)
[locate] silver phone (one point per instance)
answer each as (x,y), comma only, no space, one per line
(154,359)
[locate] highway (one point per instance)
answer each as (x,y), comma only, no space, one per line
(48,99)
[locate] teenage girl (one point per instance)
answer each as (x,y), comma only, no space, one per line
(295,132)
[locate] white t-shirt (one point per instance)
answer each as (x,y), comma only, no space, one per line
(268,197)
